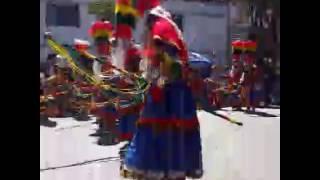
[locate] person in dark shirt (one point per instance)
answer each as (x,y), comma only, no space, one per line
(268,80)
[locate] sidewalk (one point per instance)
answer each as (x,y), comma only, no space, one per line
(230,152)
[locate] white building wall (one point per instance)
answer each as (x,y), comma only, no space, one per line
(63,34)
(42,29)
(205,26)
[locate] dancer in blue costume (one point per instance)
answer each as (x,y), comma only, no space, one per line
(128,110)
(167,143)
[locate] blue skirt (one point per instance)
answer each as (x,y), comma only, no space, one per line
(257,96)
(170,149)
(127,126)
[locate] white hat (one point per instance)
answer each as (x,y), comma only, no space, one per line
(61,62)
(81,42)
(160,12)
(42,75)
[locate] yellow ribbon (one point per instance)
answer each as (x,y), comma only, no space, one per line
(64,53)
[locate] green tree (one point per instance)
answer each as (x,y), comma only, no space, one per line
(103,9)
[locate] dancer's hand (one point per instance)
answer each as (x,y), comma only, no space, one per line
(161,82)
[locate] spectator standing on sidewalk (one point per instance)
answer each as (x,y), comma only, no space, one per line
(233,82)
(247,81)
(212,84)
(268,79)
(258,87)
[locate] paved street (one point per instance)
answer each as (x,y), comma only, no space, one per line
(230,152)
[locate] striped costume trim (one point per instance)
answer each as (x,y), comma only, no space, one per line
(167,123)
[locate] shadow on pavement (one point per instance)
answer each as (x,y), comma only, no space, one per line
(212,110)
(262,114)
(106,139)
(273,106)
(82,118)
(47,122)
(98,133)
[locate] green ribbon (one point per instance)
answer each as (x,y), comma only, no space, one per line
(176,70)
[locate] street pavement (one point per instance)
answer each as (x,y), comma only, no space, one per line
(230,152)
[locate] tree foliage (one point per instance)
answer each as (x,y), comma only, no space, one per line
(103,9)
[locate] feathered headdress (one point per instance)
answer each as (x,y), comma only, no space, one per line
(128,12)
(166,31)
(101,29)
(250,46)
(81,45)
(244,45)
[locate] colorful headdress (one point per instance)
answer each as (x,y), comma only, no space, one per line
(238,45)
(250,46)
(127,12)
(244,46)
(81,45)
(101,29)
(166,31)
(132,58)
(160,12)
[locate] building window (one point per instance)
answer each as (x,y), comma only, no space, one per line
(63,15)
(178,19)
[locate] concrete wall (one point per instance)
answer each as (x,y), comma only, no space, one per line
(42,30)
(205,26)
(65,34)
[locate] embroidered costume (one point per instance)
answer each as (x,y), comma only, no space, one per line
(167,142)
